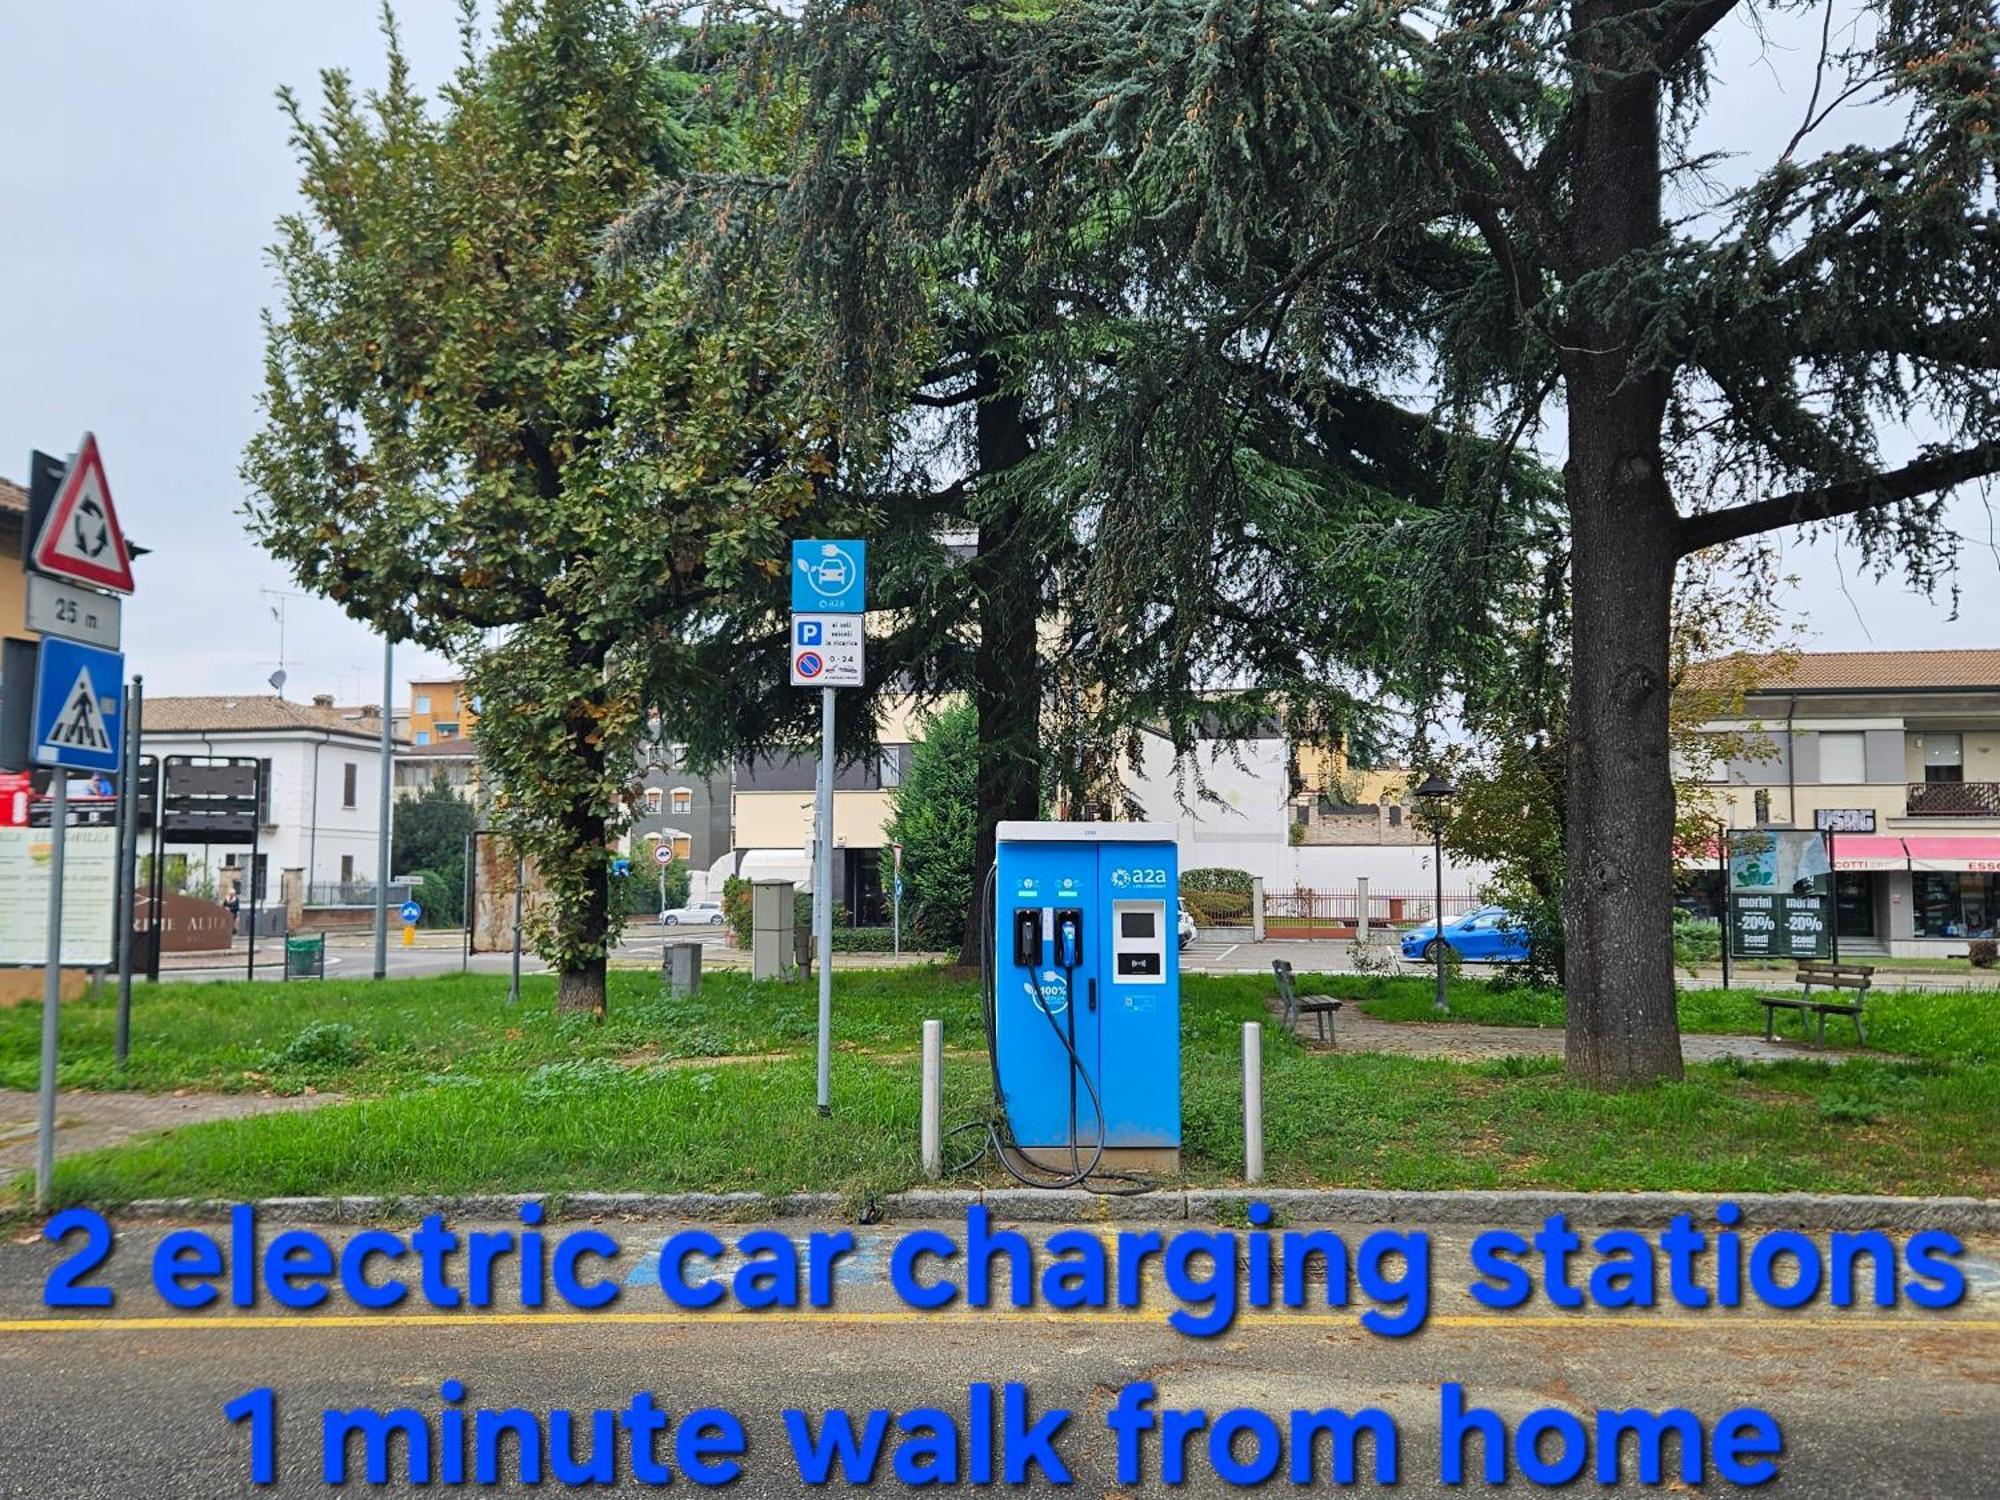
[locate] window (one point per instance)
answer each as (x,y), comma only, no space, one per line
(652,801)
(259,878)
(423,736)
(349,776)
(264,792)
(1944,757)
(683,802)
(1843,758)
(423,703)
(1760,803)
(1955,904)
(892,767)
(683,846)
(347,869)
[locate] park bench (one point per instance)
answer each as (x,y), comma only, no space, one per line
(1321,1009)
(1849,984)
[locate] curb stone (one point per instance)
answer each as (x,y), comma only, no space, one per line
(1815,1211)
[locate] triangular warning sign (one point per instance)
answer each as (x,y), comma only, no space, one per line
(81,538)
(79,722)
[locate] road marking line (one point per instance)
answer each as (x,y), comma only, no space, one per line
(384,1321)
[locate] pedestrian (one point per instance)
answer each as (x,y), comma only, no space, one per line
(233,902)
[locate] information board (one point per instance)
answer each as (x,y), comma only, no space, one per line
(1780,894)
(90,896)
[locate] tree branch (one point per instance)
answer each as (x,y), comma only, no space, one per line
(1687,26)
(1832,501)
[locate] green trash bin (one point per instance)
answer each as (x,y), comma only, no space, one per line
(305,957)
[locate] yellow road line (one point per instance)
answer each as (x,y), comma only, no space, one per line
(213,1322)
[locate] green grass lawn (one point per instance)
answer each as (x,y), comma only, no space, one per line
(453,1090)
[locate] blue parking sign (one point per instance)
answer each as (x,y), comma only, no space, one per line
(829,578)
(79,705)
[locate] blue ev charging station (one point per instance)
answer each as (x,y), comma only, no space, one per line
(1086,995)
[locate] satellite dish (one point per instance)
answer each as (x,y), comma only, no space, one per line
(277,681)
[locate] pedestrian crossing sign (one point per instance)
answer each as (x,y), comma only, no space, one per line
(79,705)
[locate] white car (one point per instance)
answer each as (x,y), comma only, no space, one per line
(694,914)
(1185,926)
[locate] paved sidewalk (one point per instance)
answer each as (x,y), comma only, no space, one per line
(90,1121)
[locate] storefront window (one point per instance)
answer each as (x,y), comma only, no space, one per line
(1956,904)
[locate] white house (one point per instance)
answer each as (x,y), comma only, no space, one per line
(1247,818)
(322,769)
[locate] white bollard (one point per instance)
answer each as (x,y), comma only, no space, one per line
(933,1108)
(1256,908)
(1253,1101)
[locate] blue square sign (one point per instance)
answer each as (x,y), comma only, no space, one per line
(829,578)
(79,705)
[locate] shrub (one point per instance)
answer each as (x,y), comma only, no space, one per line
(321,1044)
(736,910)
(1984,954)
(1216,878)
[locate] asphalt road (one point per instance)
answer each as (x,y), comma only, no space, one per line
(1871,1404)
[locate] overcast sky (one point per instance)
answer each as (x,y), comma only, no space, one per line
(144,166)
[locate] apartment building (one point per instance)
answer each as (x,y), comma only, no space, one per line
(441,710)
(1900,750)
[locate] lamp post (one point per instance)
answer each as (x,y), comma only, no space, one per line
(1434,791)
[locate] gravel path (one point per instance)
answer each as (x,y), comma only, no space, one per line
(90,1122)
(1464,1041)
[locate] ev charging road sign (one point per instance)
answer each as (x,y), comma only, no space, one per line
(79,706)
(829,577)
(81,539)
(827,651)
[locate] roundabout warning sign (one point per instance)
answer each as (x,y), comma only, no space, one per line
(81,539)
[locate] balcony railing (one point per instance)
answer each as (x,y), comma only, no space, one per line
(1953,799)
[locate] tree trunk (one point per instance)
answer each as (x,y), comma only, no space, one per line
(1006,687)
(581,987)
(1618,889)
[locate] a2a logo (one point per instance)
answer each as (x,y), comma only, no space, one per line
(1123,877)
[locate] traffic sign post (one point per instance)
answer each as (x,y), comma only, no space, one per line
(896,898)
(829,598)
(79,703)
(81,539)
(77,721)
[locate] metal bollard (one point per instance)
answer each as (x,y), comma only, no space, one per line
(933,1107)
(1253,1101)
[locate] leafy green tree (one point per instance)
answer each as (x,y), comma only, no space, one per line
(987,374)
(428,834)
(1750,364)
(481,437)
(935,818)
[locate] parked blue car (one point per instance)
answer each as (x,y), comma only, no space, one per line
(1490,934)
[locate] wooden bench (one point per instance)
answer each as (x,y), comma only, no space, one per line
(1849,984)
(1321,1009)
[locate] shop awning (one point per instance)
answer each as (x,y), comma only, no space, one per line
(1942,855)
(1868,851)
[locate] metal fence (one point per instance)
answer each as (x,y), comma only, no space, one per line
(355,893)
(1322,914)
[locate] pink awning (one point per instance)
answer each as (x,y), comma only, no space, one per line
(1935,852)
(1868,851)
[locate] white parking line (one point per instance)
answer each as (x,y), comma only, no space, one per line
(1227,951)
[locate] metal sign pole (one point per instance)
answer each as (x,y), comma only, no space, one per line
(1832,899)
(823,906)
(256,831)
(520,880)
(382,814)
(128,860)
(896,904)
(45,1119)
(1722,872)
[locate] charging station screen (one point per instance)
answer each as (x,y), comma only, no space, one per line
(1135,924)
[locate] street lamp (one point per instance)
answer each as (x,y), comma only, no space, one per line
(1434,791)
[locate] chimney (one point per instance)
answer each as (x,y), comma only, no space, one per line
(322,700)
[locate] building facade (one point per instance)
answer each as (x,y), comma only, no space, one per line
(441,710)
(1901,749)
(322,788)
